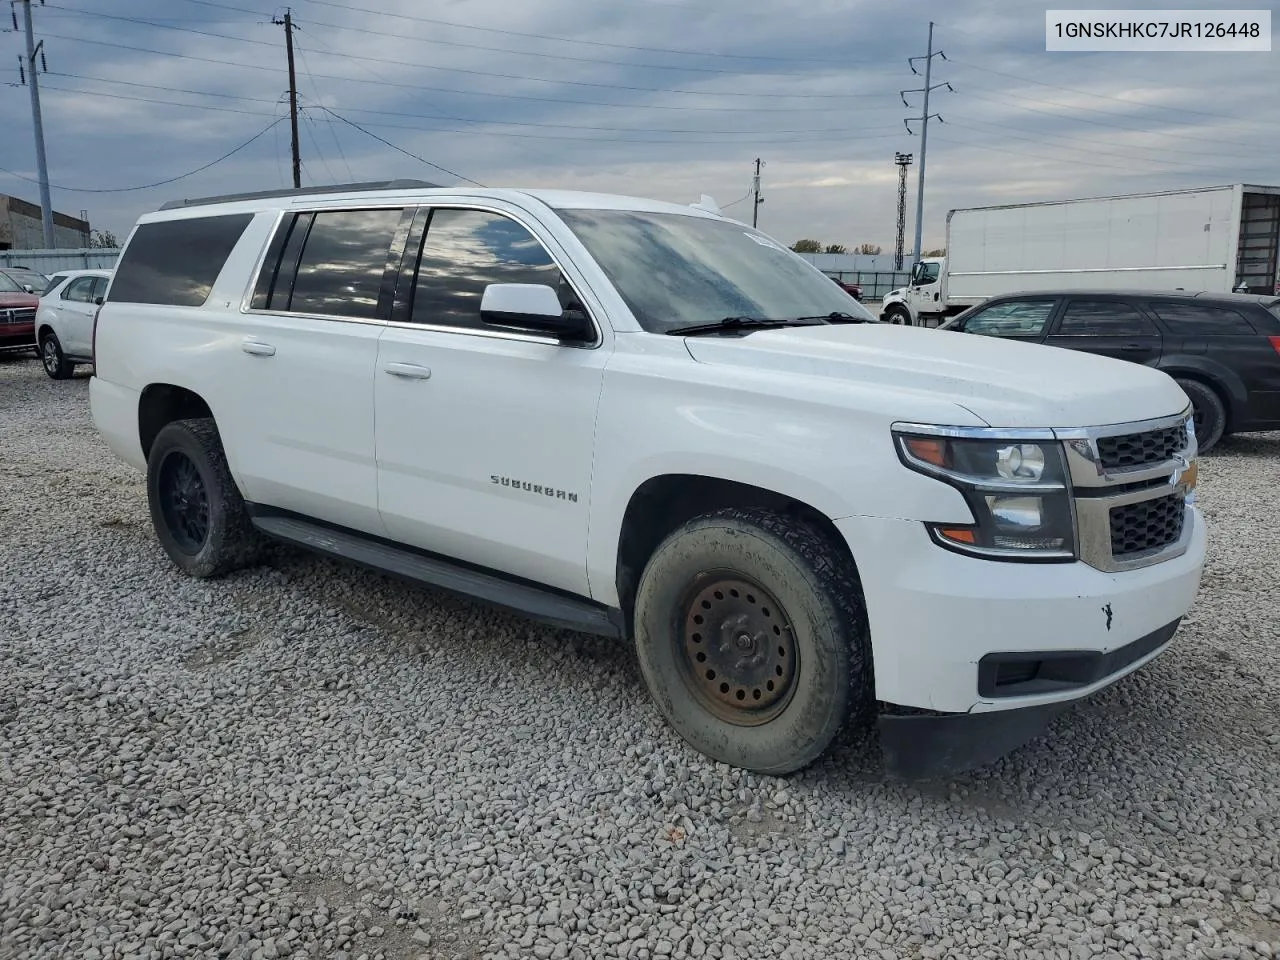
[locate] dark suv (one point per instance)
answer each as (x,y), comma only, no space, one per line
(1223,349)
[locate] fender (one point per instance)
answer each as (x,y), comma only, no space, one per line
(1202,367)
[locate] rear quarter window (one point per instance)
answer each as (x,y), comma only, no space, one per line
(1200,320)
(175,262)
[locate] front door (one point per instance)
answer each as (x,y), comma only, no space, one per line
(1109,327)
(485,437)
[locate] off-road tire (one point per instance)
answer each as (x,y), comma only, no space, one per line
(231,541)
(821,601)
(1210,413)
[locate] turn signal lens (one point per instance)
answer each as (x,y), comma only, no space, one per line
(930,451)
(958,534)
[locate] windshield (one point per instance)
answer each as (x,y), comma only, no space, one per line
(7,285)
(675,270)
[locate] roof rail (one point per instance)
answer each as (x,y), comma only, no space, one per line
(302,192)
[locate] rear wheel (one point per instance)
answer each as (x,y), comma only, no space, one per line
(898,315)
(752,638)
(55,361)
(1209,411)
(197,511)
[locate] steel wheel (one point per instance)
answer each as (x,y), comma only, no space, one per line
(738,652)
(184,502)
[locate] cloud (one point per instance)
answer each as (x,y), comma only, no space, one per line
(569,93)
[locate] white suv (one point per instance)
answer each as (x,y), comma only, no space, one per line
(651,421)
(64,319)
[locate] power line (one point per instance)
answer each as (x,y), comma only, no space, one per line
(418,87)
(167,103)
(500,76)
(1089,93)
(542,36)
(329,124)
(159,183)
(400,149)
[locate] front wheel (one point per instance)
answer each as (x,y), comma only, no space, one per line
(197,511)
(900,316)
(752,638)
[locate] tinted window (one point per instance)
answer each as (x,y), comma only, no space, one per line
(176,262)
(99,288)
(80,290)
(1275,308)
(1102,318)
(1013,318)
(56,279)
(343,262)
(1192,319)
(674,269)
(466,250)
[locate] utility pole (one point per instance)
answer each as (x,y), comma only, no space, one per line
(287,23)
(924,129)
(755,189)
(42,166)
(903,160)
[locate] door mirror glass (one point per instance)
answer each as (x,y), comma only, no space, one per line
(530,306)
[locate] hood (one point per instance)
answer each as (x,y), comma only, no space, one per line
(8,300)
(1003,383)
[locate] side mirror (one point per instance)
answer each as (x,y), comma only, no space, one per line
(534,307)
(29,288)
(98,301)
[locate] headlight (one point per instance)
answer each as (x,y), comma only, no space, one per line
(1017,490)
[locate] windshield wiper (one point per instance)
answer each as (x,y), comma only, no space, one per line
(838,316)
(742,323)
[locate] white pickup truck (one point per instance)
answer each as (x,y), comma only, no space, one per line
(649,421)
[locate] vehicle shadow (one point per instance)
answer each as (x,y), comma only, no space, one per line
(1247,445)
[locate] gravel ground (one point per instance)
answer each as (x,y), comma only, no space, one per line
(306,760)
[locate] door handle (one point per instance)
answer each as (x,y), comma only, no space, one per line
(257,348)
(411,371)
(1132,347)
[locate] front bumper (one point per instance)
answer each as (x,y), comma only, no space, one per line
(939,619)
(920,746)
(15,336)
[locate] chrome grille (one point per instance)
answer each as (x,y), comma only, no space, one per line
(1140,449)
(1147,525)
(1129,494)
(18,315)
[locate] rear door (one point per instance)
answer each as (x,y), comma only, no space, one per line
(299,367)
(1108,326)
(74,321)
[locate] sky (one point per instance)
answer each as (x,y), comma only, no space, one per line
(669,99)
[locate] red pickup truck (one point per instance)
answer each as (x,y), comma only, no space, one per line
(17,316)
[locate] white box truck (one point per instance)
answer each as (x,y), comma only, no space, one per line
(1215,239)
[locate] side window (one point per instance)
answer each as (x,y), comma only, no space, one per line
(1198,320)
(466,250)
(175,262)
(79,290)
(1013,318)
(99,289)
(344,257)
(1103,318)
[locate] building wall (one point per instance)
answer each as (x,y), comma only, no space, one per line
(21,227)
(51,261)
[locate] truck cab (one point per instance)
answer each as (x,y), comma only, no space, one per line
(923,299)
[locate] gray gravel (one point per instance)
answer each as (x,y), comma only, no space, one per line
(306,760)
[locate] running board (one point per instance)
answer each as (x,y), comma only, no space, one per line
(537,603)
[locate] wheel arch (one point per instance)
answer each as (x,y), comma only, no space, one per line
(666,501)
(1221,380)
(161,404)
